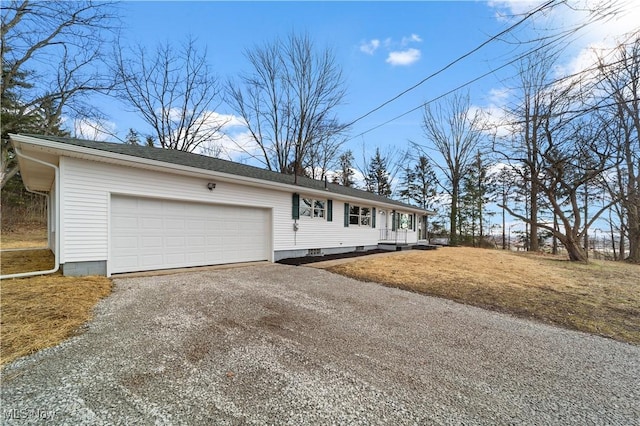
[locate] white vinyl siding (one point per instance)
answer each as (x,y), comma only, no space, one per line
(87,187)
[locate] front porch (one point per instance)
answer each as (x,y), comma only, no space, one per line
(398,240)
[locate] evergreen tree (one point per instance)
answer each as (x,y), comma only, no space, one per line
(377,177)
(419,185)
(345,175)
(476,190)
(133,138)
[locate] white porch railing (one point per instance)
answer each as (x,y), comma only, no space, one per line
(397,237)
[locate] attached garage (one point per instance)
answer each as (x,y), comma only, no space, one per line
(118,208)
(150,233)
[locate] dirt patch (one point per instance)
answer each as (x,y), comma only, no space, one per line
(601,297)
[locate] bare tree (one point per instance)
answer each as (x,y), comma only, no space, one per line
(454,132)
(572,158)
(288,101)
(621,82)
(52,59)
(528,115)
(344,175)
(174,90)
(322,157)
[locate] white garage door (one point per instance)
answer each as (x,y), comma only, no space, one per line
(149,234)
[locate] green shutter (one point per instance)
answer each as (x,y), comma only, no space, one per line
(346,214)
(373,218)
(295,208)
(329,210)
(393,220)
(414,221)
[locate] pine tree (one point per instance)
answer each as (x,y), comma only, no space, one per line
(345,175)
(476,190)
(377,178)
(419,185)
(133,138)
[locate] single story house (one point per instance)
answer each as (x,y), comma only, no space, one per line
(116,208)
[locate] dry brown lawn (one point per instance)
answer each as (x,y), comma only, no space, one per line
(24,237)
(600,297)
(13,262)
(39,312)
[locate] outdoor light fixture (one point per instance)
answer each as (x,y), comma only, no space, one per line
(211,186)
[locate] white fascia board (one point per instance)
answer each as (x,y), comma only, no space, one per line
(130,160)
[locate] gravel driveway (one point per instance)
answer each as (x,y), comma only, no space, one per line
(275,344)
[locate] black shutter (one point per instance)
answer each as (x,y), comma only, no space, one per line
(393,220)
(295,207)
(346,214)
(329,210)
(373,218)
(414,221)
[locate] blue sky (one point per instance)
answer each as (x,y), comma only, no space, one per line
(382,47)
(411,40)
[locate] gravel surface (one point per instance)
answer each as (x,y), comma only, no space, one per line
(276,344)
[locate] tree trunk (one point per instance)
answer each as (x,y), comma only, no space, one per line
(575,251)
(533,232)
(634,244)
(453,220)
(554,249)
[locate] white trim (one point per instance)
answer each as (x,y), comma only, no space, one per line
(128,160)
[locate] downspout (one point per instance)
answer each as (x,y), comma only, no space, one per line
(56,252)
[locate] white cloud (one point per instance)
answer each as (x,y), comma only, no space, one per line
(598,38)
(234,146)
(398,54)
(413,38)
(498,96)
(93,130)
(370,47)
(403,57)
(609,22)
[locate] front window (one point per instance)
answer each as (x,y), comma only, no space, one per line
(313,208)
(305,207)
(359,216)
(405,221)
(319,208)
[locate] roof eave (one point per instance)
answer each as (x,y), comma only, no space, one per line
(128,160)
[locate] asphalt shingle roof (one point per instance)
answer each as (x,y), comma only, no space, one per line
(218,165)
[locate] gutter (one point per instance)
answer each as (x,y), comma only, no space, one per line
(56,252)
(125,159)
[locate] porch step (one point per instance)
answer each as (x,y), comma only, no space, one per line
(425,247)
(394,246)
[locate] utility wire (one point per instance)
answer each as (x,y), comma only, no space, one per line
(553,41)
(460,58)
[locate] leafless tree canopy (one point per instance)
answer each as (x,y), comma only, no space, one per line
(454,133)
(288,102)
(53,54)
(620,80)
(174,91)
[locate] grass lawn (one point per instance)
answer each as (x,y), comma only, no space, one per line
(600,297)
(39,312)
(25,237)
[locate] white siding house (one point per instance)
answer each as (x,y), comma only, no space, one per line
(119,208)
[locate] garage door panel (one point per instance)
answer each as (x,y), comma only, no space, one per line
(151,222)
(151,234)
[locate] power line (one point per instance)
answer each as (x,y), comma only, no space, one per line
(554,40)
(460,58)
